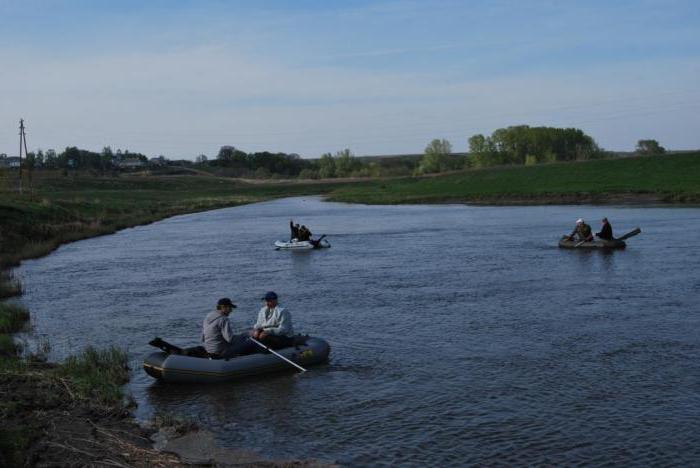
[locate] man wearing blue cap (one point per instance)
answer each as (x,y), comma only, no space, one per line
(274,324)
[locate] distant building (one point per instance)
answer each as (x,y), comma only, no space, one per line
(159,161)
(130,163)
(12,162)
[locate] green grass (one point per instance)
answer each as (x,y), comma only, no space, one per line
(13,317)
(97,375)
(673,178)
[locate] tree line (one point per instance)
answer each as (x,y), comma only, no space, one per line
(515,145)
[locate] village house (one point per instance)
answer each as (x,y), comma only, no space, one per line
(11,162)
(130,163)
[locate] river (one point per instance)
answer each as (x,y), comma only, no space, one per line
(460,334)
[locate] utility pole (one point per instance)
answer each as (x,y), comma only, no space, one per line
(22,143)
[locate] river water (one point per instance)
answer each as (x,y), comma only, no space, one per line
(460,334)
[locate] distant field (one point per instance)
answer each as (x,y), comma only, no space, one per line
(668,178)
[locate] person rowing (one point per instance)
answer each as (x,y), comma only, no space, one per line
(582,232)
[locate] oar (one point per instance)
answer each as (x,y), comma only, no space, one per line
(580,243)
(277,354)
(632,233)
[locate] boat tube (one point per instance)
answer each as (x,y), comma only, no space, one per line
(192,365)
(301,245)
(565,243)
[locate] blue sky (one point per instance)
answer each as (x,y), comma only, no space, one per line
(182,78)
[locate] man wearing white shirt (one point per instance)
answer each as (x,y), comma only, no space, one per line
(274,325)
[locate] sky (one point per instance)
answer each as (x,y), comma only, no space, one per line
(183,78)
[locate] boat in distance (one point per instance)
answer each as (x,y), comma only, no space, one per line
(565,243)
(301,245)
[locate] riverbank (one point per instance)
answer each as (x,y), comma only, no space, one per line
(672,179)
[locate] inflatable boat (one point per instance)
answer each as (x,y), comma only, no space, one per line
(301,245)
(565,243)
(192,365)
(603,244)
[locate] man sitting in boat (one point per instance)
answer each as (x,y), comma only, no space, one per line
(274,324)
(605,231)
(294,228)
(217,336)
(304,233)
(582,231)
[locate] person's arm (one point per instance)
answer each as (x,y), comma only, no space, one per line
(226,331)
(260,321)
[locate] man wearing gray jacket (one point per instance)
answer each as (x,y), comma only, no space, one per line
(217,336)
(274,325)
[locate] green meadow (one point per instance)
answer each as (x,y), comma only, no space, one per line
(670,178)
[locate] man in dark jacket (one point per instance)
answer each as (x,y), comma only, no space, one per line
(294,228)
(605,231)
(304,233)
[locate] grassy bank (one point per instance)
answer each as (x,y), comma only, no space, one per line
(674,179)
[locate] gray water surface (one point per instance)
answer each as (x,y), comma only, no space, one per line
(460,334)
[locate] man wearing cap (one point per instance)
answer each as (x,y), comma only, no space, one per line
(217,336)
(582,231)
(274,324)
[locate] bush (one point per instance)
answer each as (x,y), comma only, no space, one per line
(308,174)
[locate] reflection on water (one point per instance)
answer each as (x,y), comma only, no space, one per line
(460,335)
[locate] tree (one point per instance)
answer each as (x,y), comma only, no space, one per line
(326,166)
(436,157)
(201,159)
(345,163)
(649,148)
(522,144)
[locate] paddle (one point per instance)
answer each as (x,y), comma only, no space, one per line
(632,233)
(277,354)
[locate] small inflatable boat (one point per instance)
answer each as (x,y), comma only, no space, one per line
(301,245)
(602,244)
(191,365)
(565,243)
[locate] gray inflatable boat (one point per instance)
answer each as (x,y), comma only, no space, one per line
(565,243)
(171,366)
